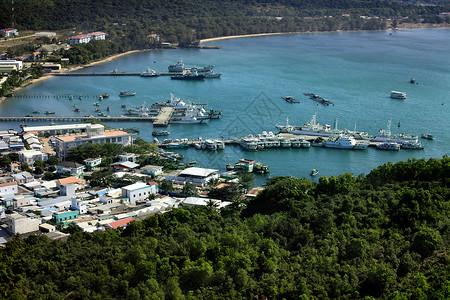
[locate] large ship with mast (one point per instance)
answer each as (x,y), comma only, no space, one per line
(387,136)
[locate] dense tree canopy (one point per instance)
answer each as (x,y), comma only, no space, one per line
(384,235)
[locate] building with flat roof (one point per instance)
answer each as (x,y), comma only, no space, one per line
(95,133)
(19,224)
(152,170)
(70,168)
(139,191)
(194,175)
(17,63)
(30,156)
(92,163)
(56,129)
(8,188)
(86,38)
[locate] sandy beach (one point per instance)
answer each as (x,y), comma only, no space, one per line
(243,36)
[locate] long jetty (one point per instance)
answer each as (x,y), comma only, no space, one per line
(114,74)
(77,119)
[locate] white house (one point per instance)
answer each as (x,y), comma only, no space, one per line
(139,191)
(7,32)
(152,170)
(30,156)
(70,168)
(86,38)
(128,157)
(91,163)
(8,188)
(18,224)
(78,204)
(194,175)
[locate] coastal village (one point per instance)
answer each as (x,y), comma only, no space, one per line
(30,203)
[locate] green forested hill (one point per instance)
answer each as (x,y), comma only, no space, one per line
(204,18)
(384,235)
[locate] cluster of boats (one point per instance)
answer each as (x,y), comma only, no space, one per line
(194,73)
(184,113)
(268,140)
(210,145)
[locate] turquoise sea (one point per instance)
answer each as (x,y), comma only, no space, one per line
(355,70)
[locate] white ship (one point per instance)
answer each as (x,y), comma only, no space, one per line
(178,67)
(313,127)
(398,95)
(390,146)
(386,136)
(149,73)
(345,142)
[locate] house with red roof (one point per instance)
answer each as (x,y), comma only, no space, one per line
(7,32)
(86,38)
(120,223)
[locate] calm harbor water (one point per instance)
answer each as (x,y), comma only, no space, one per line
(355,70)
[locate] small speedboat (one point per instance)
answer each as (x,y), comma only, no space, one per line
(314,172)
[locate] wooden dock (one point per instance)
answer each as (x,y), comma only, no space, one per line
(77,119)
(163,118)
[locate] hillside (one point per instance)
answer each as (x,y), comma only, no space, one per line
(206,18)
(384,235)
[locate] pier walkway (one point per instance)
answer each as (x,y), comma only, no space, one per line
(163,118)
(115,74)
(77,119)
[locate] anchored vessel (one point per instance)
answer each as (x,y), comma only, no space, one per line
(398,95)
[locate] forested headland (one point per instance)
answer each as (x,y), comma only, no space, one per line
(384,235)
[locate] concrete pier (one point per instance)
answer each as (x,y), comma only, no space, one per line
(163,118)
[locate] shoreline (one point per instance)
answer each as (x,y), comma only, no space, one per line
(404,26)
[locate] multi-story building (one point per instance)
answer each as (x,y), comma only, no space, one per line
(30,156)
(8,188)
(18,224)
(139,191)
(95,133)
(17,63)
(86,38)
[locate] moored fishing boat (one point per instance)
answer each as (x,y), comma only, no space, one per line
(160,132)
(126,94)
(314,172)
